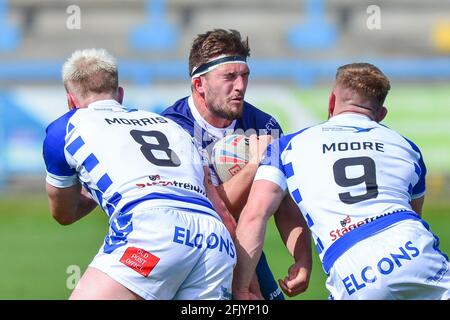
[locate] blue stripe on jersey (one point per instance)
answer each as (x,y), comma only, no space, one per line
(285,141)
(104,183)
(417,169)
(410,189)
(85,185)
(436,240)
(275,150)
(70,127)
(114,200)
(309,220)
(109,209)
(297,196)
(75,145)
(53,147)
(90,162)
(349,239)
(272,157)
(420,185)
(155,195)
(288,170)
(99,196)
(319,246)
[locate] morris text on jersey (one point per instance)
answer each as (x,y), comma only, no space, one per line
(352,146)
(136,122)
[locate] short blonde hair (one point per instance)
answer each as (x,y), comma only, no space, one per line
(90,71)
(365,79)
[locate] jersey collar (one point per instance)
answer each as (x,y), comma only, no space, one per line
(107,104)
(217,132)
(355,116)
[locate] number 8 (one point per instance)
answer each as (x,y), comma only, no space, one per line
(172,159)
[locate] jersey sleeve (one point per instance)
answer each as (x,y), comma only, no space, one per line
(59,173)
(271,168)
(418,190)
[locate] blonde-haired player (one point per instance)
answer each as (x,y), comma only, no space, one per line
(165,239)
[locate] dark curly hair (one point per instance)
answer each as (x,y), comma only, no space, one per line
(215,43)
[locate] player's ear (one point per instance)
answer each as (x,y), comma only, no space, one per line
(120,94)
(71,101)
(381,114)
(331,104)
(197,83)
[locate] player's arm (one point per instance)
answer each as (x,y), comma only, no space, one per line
(235,191)
(265,197)
(417,205)
(70,204)
(297,238)
(228,220)
(220,207)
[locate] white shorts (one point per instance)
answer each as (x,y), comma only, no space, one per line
(166,253)
(401,262)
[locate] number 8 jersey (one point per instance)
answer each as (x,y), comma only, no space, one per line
(345,173)
(125,158)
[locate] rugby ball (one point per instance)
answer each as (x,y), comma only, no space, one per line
(229,155)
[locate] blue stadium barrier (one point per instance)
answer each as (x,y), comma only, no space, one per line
(10,36)
(305,72)
(156,34)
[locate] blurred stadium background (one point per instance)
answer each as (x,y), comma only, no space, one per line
(296,45)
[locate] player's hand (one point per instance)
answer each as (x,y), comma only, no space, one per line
(296,281)
(257,147)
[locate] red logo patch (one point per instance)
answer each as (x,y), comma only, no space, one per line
(139,260)
(234,169)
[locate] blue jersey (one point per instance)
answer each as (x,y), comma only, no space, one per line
(205,136)
(252,120)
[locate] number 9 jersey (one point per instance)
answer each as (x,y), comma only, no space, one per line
(125,159)
(345,173)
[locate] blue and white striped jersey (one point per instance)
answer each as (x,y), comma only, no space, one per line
(125,158)
(345,173)
(252,121)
